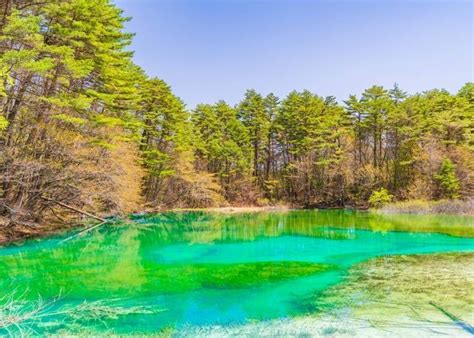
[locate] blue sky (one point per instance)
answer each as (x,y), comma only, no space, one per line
(216,49)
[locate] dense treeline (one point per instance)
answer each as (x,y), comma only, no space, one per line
(311,151)
(81,124)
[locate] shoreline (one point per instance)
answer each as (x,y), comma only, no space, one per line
(239,209)
(19,233)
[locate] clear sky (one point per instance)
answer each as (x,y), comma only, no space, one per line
(209,49)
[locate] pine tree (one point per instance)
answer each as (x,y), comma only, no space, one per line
(165,137)
(448,182)
(252,112)
(223,143)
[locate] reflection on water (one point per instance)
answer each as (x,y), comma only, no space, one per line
(207,227)
(203,268)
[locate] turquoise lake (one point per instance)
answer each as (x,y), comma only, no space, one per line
(196,268)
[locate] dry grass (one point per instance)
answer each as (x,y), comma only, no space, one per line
(20,317)
(453,207)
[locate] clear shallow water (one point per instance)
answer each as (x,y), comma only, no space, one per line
(174,269)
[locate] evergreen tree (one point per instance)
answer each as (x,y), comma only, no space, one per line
(252,112)
(165,137)
(447,180)
(223,142)
(272,150)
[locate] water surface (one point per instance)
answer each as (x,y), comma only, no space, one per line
(175,269)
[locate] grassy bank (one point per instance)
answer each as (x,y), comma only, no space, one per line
(449,207)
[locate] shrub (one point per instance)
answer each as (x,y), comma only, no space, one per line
(380,197)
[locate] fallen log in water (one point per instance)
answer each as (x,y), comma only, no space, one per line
(74,209)
(102,220)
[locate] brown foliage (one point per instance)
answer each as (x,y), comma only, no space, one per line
(188,187)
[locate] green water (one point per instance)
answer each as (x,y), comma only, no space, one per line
(177,269)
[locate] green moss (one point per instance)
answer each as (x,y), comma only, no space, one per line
(187,277)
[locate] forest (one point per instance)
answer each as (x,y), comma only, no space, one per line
(82,125)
